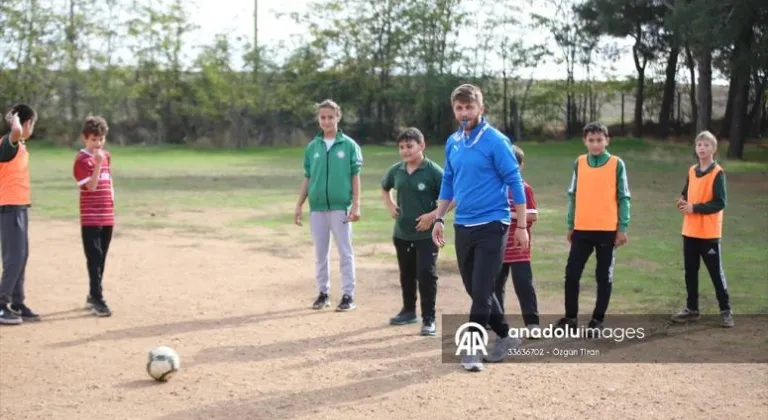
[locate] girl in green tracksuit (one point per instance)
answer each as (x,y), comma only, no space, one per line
(332,164)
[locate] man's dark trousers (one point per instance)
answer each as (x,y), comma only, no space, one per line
(14,225)
(480,252)
(583,244)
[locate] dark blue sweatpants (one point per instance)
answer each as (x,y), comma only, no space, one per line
(14,240)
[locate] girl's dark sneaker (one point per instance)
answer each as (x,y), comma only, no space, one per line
(347,304)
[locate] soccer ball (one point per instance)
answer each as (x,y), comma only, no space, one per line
(163,363)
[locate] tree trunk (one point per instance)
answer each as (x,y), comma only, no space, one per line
(704,92)
(71,34)
(725,127)
(743,69)
(669,91)
(753,121)
(637,129)
(692,70)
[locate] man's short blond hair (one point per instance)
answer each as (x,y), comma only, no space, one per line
(707,136)
(467,93)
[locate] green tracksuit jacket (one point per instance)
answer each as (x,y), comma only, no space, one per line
(330,172)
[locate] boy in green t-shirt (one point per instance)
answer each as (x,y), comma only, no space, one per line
(417,181)
(332,163)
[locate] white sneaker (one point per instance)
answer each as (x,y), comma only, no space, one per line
(472,363)
(502,349)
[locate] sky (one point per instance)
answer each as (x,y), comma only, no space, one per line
(237,18)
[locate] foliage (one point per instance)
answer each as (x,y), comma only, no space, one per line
(389,64)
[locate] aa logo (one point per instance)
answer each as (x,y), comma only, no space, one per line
(470,342)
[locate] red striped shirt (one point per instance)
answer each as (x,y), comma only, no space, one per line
(97,207)
(516,253)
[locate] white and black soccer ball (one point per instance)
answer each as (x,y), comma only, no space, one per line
(163,363)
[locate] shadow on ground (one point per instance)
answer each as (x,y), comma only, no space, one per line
(352,350)
(184,327)
(290,405)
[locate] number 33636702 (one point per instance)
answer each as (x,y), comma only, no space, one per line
(525,352)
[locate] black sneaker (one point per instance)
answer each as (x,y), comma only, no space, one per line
(594,329)
(564,323)
(686,315)
(347,304)
(404,317)
(8,317)
(322,301)
(24,312)
(101,309)
(89,302)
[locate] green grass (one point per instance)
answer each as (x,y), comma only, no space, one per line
(257,189)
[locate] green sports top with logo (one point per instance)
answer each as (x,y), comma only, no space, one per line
(330,172)
(417,194)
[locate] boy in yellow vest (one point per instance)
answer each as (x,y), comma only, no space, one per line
(598,218)
(702,204)
(15,199)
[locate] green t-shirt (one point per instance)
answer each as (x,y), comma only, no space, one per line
(417,193)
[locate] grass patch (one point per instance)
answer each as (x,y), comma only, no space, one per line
(237,190)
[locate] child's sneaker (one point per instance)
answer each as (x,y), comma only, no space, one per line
(24,312)
(727,320)
(8,317)
(428,327)
(347,304)
(404,317)
(686,315)
(534,331)
(101,309)
(594,329)
(563,323)
(322,301)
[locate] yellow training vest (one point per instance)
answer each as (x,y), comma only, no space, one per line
(701,190)
(14,179)
(596,204)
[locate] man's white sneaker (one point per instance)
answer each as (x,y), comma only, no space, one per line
(502,349)
(472,363)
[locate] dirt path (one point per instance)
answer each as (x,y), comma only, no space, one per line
(251,348)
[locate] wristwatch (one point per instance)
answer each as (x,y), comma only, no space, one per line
(440,220)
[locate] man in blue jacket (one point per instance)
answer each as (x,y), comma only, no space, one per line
(480,168)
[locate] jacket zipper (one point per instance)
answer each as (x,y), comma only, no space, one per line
(327,175)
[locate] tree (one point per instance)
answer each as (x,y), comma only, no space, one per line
(641,20)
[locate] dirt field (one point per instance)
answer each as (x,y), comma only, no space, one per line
(238,314)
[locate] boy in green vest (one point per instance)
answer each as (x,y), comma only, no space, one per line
(332,164)
(417,181)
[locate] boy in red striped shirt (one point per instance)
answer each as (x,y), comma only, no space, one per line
(97,206)
(517,260)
